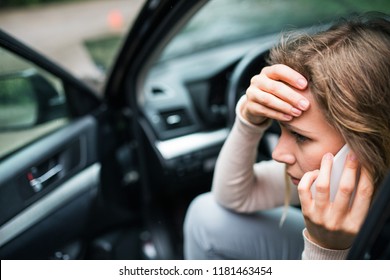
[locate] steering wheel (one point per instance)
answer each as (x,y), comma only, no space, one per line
(250,65)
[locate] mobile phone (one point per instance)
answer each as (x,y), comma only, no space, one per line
(337,170)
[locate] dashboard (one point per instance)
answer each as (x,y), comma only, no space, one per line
(186,108)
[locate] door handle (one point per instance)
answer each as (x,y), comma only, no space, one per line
(37,183)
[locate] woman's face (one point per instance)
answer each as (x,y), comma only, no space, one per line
(304,140)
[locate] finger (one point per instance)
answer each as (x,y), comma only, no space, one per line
(266,99)
(323,182)
(304,187)
(254,109)
(286,74)
(283,91)
(363,196)
(285,83)
(347,185)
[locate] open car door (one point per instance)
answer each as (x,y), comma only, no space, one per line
(50,169)
(57,145)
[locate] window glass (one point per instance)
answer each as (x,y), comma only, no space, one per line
(32,103)
(222,22)
(18,108)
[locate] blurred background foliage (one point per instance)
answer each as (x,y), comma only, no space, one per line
(19,3)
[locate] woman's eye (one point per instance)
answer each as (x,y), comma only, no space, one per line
(299,138)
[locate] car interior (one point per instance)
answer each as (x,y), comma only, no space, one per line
(90,177)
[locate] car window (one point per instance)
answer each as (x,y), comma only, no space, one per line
(32,103)
(222,22)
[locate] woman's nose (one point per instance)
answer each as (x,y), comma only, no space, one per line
(283,152)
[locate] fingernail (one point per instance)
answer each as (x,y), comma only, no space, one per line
(303,104)
(301,82)
(352,156)
(296,112)
(328,156)
(287,117)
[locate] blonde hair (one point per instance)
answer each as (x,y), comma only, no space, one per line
(348,70)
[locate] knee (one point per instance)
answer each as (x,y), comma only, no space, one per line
(200,227)
(205,217)
(198,212)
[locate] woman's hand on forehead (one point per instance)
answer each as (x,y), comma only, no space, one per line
(275,93)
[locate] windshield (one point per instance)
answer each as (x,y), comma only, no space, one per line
(226,21)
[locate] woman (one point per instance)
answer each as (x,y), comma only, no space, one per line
(325,90)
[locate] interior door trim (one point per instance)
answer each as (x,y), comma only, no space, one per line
(183,145)
(82,182)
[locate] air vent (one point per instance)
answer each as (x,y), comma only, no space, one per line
(158,91)
(175,119)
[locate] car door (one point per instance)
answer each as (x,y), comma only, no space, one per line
(61,183)
(49,156)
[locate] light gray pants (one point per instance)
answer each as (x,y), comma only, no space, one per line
(213,232)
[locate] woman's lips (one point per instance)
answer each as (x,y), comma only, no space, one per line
(295,180)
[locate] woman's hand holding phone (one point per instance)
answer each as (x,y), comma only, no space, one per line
(336,173)
(334,224)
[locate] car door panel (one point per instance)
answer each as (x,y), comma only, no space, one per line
(50,176)
(65,163)
(51,236)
